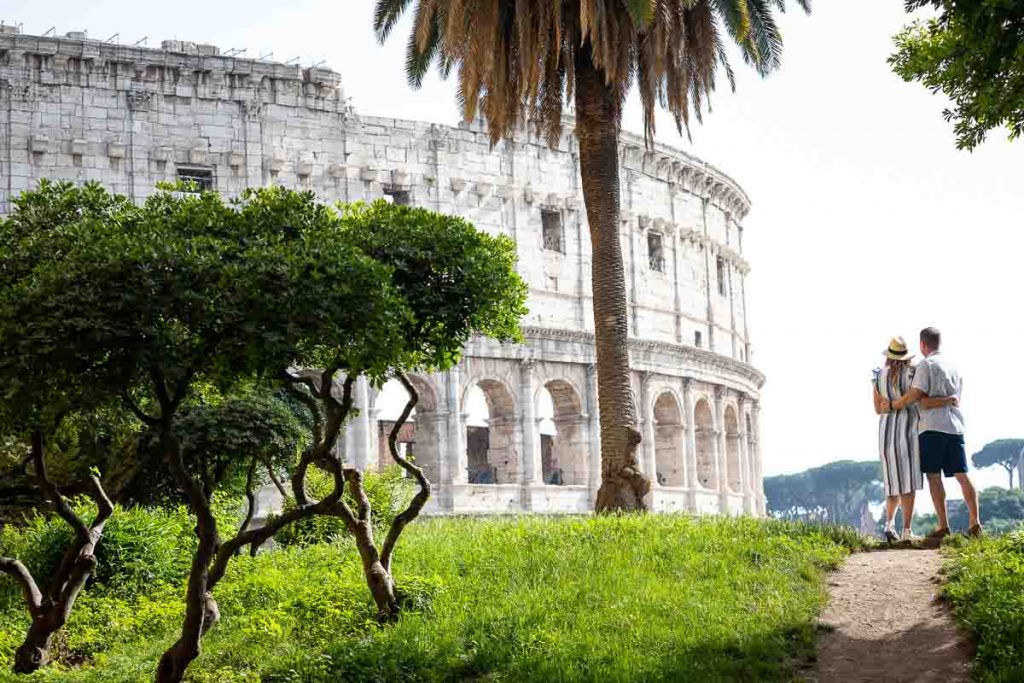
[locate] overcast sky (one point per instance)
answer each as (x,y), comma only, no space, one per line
(866,221)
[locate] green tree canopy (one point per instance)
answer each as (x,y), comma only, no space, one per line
(1007,453)
(456,280)
(1001,510)
(57,370)
(972,52)
(839,492)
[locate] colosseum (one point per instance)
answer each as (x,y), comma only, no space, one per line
(513,428)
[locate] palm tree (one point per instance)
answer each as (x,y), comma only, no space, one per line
(522,60)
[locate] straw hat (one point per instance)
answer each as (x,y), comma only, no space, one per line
(898,350)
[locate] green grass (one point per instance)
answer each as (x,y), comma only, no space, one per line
(654,598)
(986,589)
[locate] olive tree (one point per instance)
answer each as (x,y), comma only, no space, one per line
(240,292)
(457,281)
(452,281)
(57,363)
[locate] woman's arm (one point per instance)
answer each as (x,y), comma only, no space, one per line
(878,401)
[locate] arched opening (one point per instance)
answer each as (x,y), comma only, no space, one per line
(490,434)
(733,461)
(704,426)
(668,441)
(418,437)
(563,452)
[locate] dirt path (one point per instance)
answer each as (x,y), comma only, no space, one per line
(884,623)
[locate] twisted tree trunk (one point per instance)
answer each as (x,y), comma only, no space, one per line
(201,609)
(377,561)
(598,115)
(50,610)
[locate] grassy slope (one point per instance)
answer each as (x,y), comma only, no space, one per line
(586,599)
(986,589)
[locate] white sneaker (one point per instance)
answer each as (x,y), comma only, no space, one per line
(909,535)
(890,534)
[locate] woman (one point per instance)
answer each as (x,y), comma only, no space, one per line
(897,439)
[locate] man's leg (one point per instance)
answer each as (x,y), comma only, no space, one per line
(970,497)
(907,505)
(938,492)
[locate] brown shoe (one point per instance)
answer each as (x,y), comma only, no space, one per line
(938,534)
(976,531)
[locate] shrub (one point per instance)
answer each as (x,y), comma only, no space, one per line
(141,547)
(986,589)
(389,492)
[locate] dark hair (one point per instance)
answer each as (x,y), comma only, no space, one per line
(931,338)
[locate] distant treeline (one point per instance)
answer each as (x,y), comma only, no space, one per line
(844,492)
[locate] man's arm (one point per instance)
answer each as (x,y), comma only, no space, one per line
(915,395)
(929,402)
(909,398)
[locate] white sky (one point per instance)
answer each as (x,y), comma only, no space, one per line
(866,221)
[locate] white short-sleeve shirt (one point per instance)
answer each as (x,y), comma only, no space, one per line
(937,379)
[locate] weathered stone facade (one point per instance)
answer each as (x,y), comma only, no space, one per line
(84,110)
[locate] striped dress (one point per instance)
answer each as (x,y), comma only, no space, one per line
(897,437)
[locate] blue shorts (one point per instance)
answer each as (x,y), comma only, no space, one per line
(942,452)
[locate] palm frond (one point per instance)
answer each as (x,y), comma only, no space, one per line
(419,55)
(386,14)
(515,60)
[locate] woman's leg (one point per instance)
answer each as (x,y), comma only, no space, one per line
(891,503)
(907,505)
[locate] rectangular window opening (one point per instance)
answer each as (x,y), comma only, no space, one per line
(656,252)
(400,197)
(201,179)
(721,276)
(698,339)
(551,222)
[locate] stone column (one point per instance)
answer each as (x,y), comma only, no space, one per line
(721,470)
(455,456)
(746,461)
(755,447)
(636,255)
(676,297)
(375,439)
(708,265)
(743,297)
(649,465)
(594,430)
(360,427)
(690,452)
(531,473)
(730,270)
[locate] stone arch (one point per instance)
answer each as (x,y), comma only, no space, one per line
(419,435)
(491,454)
(669,467)
(564,454)
(733,458)
(704,428)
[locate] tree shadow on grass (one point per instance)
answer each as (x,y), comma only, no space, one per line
(772,655)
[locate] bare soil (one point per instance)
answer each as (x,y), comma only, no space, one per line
(885,622)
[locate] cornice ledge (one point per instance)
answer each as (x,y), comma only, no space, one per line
(698,356)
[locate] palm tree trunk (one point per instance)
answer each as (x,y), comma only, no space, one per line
(598,115)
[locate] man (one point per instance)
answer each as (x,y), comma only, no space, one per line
(940,431)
